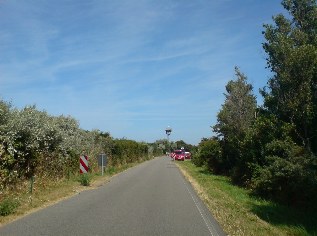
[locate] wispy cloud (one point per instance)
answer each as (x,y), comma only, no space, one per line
(129,66)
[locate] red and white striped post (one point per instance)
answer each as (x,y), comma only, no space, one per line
(83,164)
(173,156)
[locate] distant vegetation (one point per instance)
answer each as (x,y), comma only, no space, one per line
(34,143)
(271,149)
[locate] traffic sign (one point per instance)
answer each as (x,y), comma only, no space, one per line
(83,164)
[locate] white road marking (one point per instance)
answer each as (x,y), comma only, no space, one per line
(207,222)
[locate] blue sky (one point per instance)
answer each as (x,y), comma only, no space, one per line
(132,67)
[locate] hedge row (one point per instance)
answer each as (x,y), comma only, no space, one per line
(32,142)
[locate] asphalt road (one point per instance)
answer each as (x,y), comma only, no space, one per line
(152,198)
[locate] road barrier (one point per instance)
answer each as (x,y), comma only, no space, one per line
(173,156)
(83,164)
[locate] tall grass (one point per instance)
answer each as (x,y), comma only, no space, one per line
(8,206)
(240,213)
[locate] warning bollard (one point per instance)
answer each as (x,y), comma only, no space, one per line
(83,164)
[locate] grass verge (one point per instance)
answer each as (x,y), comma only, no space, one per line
(47,192)
(240,213)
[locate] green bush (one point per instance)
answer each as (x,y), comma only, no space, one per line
(126,151)
(197,160)
(259,143)
(210,154)
(289,176)
(32,142)
(111,170)
(8,206)
(85,179)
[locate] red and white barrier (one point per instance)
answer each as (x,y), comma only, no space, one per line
(173,156)
(83,164)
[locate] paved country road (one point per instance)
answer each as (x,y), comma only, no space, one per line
(152,198)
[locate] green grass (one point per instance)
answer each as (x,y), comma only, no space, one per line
(8,206)
(240,213)
(85,179)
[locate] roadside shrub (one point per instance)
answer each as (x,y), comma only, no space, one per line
(215,161)
(197,160)
(8,206)
(85,179)
(32,142)
(111,170)
(258,144)
(290,175)
(126,151)
(210,154)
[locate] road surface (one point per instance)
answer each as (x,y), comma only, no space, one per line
(152,198)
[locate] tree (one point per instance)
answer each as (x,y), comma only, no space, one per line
(182,144)
(5,108)
(235,118)
(238,111)
(287,170)
(291,46)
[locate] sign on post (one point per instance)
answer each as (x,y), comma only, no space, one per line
(102,161)
(83,164)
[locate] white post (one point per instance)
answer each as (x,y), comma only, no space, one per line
(102,164)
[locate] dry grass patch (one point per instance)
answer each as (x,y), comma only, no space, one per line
(45,193)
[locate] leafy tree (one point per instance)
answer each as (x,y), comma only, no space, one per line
(291,46)
(234,119)
(182,144)
(238,111)
(5,108)
(287,169)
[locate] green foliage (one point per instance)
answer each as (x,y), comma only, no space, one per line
(8,206)
(85,179)
(182,144)
(5,108)
(33,142)
(290,181)
(260,217)
(198,159)
(274,152)
(266,129)
(31,137)
(127,151)
(287,170)
(291,94)
(210,154)
(237,113)
(289,174)
(111,170)
(165,146)
(233,122)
